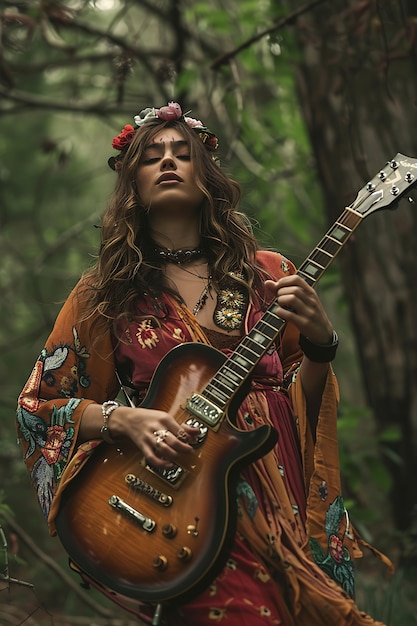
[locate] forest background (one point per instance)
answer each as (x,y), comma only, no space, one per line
(309,100)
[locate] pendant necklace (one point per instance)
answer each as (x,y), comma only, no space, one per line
(203,298)
(206,291)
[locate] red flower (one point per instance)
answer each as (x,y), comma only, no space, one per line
(55,437)
(336,548)
(212,142)
(124,138)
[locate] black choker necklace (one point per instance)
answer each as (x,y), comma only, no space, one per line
(179,256)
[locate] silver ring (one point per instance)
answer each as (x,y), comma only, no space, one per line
(182,435)
(160,435)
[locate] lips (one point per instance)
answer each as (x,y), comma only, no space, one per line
(169,176)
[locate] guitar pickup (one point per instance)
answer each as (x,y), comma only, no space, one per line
(173,476)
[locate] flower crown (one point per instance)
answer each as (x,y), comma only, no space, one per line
(170,112)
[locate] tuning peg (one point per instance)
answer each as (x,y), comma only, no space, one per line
(393,164)
(382,175)
(370,187)
(409,177)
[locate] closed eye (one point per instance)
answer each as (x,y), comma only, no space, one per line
(151,160)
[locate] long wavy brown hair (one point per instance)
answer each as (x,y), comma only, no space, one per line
(126,267)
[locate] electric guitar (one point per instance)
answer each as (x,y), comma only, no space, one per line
(162,536)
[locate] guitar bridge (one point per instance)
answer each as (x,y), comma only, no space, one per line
(147,523)
(143,487)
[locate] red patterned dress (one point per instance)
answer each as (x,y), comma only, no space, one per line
(291,562)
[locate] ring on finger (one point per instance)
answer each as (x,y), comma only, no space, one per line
(160,435)
(182,435)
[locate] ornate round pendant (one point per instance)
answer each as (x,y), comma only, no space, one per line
(230,308)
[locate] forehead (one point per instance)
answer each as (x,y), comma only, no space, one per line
(165,136)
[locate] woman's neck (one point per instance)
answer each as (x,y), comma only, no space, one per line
(176,234)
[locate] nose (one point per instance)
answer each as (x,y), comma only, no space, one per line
(168,162)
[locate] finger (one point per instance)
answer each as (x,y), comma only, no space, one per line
(155,458)
(167,445)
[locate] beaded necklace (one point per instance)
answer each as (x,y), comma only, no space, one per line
(179,257)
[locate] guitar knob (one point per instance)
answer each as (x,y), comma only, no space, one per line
(169,531)
(184,553)
(160,562)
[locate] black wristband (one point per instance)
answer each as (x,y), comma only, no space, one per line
(319,353)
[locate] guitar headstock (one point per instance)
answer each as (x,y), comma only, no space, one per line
(387,187)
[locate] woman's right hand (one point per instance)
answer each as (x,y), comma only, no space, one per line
(155,433)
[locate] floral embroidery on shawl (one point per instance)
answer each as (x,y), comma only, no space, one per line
(337,562)
(245,491)
(45,370)
(54,442)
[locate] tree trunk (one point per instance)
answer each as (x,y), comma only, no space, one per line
(358,93)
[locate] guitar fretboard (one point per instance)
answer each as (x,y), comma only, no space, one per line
(251,349)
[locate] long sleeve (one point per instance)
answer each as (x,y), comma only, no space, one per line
(71,372)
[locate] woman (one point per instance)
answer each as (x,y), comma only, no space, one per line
(178,263)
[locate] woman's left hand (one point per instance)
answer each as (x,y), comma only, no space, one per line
(299,303)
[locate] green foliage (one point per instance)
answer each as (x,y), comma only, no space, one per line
(79,81)
(392,602)
(362,464)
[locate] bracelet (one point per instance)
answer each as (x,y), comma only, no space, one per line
(319,353)
(107,409)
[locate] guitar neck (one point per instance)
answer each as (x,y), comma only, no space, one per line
(384,190)
(240,365)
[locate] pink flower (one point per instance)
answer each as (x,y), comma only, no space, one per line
(192,123)
(171,112)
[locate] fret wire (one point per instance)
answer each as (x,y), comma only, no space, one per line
(255,331)
(217,383)
(215,395)
(270,313)
(339,243)
(243,346)
(231,373)
(320,257)
(338,223)
(238,357)
(324,252)
(321,267)
(329,242)
(311,281)
(267,328)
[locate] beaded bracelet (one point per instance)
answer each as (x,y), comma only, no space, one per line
(319,353)
(107,409)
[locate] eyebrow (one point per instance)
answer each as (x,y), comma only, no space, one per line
(160,145)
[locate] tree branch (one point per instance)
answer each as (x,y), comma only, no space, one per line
(284,21)
(53,565)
